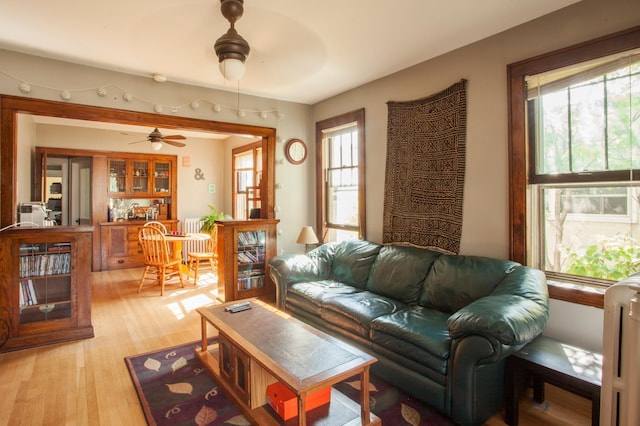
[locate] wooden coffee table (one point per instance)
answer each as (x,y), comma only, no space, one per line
(263,345)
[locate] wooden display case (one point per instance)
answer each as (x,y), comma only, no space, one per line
(45,289)
(138,177)
(244,248)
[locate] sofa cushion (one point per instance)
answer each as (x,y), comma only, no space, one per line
(310,295)
(399,272)
(354,312)
(455,281)
(352,262)
(417,333)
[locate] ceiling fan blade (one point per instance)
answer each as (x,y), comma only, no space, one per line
(143,140)
(174,143)
(174,137)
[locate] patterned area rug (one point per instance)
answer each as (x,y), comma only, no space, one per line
(174,389)
(424,176)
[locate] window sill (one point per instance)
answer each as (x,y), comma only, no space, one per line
(576,293)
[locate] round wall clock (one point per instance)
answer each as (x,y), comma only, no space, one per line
(295,151)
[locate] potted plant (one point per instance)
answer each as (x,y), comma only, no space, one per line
(209,220)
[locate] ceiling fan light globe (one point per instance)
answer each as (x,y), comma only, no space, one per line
(156,146)
(232,69)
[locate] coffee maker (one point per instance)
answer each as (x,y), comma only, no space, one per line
(34,213)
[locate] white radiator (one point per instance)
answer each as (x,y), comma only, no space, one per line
(190,226)
(620,398)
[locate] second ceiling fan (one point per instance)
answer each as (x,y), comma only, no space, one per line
(157,139)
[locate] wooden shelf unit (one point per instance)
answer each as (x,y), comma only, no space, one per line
(244,248)
(45,289)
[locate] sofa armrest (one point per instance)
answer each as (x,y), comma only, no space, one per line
(513,314)
(507,319)
(289,269)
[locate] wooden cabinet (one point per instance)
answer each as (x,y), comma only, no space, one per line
(234,367)
(137,177)
(244,248)
(135,183)
(45,288)
(119,244)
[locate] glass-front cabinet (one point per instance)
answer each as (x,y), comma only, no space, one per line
(161,177)
(234,367)
(45,281)
(251,265)
(129,177)
(140,177)
(244,248)
(45,288)
(117,176)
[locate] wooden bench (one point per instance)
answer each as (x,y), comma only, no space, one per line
(547,360)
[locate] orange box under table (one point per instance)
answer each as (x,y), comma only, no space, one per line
(285,403)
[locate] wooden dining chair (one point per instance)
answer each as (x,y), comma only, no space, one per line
(157,224)
(163,229)
(210,256)
(159,265)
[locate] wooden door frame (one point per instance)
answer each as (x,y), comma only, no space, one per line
(11,106)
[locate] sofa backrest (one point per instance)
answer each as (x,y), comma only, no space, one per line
(352,261)
(399,272)
(455,281)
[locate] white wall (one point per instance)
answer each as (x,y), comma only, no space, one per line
(486,199)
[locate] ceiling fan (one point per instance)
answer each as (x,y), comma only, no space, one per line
(157,139)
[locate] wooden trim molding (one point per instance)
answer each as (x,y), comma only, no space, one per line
(356,116)
(581,295)
(516,88)
(10,106)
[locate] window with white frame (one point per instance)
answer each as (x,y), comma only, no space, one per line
(583,125)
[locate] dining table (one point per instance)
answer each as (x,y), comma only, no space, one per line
(176,240)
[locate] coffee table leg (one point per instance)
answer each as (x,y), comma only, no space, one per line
(365,412)
(302,412)
(203,325)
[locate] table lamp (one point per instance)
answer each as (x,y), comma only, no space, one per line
(308,238)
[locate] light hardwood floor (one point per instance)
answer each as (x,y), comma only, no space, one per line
(87,383)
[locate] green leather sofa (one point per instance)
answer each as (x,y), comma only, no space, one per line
(440,325)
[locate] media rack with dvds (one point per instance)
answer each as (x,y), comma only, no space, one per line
(244,250)
(46,285)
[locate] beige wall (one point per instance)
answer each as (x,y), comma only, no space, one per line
(49,77)
(483,64)
(486,200)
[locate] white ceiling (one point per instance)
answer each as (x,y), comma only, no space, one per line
(301,50)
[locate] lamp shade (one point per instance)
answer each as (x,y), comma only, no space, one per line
(307,236)
(156,145)
(232,69)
